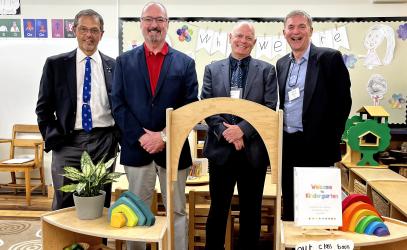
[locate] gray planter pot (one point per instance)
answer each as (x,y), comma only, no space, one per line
(89,208)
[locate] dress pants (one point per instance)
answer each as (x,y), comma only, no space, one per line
(142,183)
(98,142)
(250,184)
(296,153)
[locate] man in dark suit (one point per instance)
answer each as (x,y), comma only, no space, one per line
(235,150)
(63,103)
(148,80)
(315,94)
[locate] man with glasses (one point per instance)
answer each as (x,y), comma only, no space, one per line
(315,96)
(73,108)
(149,79)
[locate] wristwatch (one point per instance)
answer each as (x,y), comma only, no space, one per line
(163,136)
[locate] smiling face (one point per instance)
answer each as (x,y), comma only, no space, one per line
(242,40)
(298,32)
(154,25)
(88,34)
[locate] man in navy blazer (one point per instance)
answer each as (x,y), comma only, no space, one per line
(59,105)
(315,95)
(235,151)
(148,80)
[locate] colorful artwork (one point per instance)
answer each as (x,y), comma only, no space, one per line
(397,101)
(29,28)
(359,215)
(184,34)
(68,28)
(57,28)
(41,28)
(402,31)
(10,28)
(349,60)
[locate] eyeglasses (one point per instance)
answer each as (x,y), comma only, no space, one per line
(149,19)
(93,31)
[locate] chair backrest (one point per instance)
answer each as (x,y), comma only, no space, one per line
(27,137)
(268,124)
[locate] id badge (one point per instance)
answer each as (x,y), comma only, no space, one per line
(293,94)
(236,92)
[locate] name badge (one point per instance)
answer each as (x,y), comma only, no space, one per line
(236,92)
(293,94)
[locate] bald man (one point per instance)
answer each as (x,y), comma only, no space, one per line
(235,150)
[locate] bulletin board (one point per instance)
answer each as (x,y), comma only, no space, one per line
(374,50)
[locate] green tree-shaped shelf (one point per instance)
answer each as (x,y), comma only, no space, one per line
(368,137)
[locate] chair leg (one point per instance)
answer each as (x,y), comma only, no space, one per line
(28,186)
(42,180)
(14,180)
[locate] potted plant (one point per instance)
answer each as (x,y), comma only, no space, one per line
(87,190)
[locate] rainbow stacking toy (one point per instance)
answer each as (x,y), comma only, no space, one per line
(360,216)
(129,210)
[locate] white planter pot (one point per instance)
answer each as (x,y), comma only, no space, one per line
(89,208)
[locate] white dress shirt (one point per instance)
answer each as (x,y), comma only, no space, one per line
(99,102)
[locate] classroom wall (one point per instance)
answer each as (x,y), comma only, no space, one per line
(22,59)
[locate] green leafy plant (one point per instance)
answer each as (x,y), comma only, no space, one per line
(91,179)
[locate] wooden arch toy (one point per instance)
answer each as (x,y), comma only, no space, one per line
(180,122)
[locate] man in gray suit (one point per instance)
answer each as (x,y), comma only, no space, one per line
(235,150)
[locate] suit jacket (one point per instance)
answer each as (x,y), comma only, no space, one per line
(56,105)
(261,87)
(135,107)
(327,102)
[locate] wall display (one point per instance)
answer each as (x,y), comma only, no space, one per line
(10,7)
(371,47)
(10,28)
(317,197)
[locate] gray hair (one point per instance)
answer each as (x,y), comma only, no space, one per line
(245,22)
(298,13)
(154,3)
(88,12)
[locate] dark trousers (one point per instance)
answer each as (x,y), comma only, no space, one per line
(250,183)
(296,153)
(98,143)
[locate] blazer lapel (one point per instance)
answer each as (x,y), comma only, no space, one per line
(251,75)
(282,78)
(311,78)
(164,70)
(142,64)
(224,71)
(71,76)
(107,71)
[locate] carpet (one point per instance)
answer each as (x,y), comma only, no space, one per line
(20,235)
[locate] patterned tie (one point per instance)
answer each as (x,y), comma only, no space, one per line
(237,76)
(237,82)
(86,113)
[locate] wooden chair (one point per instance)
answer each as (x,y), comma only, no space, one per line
(268,124)
(199,202)
(18,143)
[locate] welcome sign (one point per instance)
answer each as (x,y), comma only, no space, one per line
(317,197)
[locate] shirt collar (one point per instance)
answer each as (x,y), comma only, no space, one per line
(80,56)
(245,61)
(163,51)
(305,56)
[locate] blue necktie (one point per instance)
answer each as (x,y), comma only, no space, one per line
(86,113)
(237,82)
